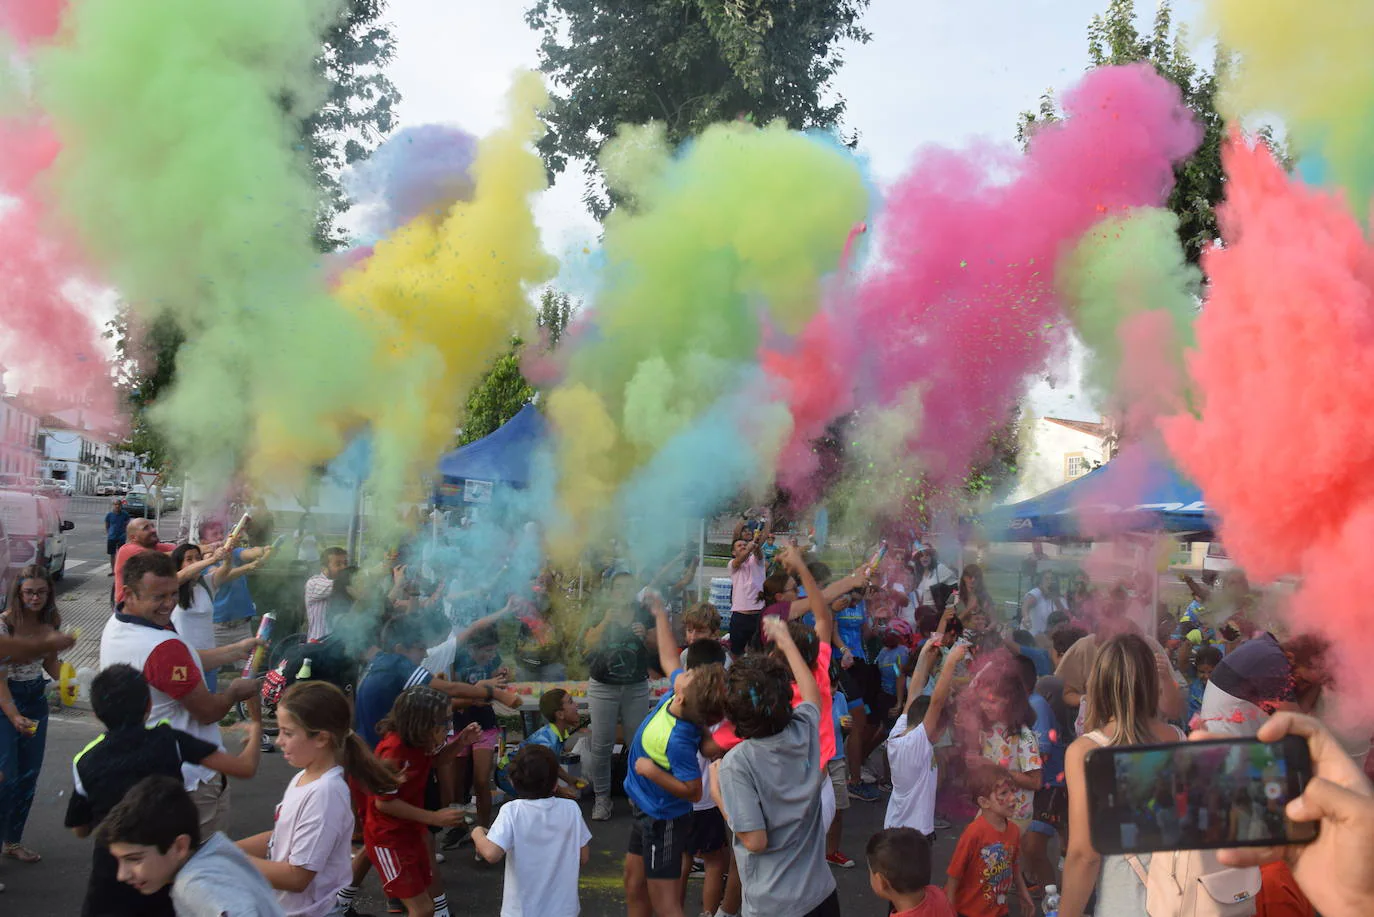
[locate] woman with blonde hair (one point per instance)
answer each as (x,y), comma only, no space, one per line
(1123,709)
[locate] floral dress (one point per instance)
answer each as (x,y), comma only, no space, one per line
(1019,753)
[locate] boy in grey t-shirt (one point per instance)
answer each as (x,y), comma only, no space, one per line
(769,787)
(154,834)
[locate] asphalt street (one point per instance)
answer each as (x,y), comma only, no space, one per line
(56,885)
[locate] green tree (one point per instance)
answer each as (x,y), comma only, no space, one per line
(1113,38)
(145,365)
(504,390)
(688,64)
(358,111)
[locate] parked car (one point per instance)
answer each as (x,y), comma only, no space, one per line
(63,488)
(35,532)
(137,501)
(105,489)
(5,571)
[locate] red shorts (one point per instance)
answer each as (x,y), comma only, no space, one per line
(406,868)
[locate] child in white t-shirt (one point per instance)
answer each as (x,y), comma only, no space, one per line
(543,838)
(307,856)
(911,749)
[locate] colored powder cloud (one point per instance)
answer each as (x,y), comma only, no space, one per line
(446,295)
(728,448)
(29,21)
(731,236)
(1310,64)
(417,170)
(961,297)
(48,339)
(183,175)
(1281,444)
(1132,296)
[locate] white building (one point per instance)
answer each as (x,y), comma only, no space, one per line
(19,452)
(1055,450)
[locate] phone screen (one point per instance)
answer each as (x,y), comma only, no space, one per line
(1196,795)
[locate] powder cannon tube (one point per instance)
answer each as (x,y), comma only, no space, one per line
(250,670)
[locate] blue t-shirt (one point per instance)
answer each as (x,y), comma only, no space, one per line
(549,737)
(1050,736)
(1195,692)
(890,662)
(849,624)
(837,711)
(1041,658)
(116,526)
(671,743)
(233,601)
(385,679)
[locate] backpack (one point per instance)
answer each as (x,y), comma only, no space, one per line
(1192,883)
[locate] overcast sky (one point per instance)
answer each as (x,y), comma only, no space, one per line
(936,72)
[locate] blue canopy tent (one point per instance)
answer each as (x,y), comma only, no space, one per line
(503,457)
(1091,507)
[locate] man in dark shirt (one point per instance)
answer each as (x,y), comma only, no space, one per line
(116,527)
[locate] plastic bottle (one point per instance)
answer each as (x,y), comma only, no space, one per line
(304,672)
(1050,906)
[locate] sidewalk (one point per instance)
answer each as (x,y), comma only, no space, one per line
(85,605)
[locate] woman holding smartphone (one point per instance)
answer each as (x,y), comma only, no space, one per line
(1123,709)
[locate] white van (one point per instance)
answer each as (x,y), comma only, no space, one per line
(36,532)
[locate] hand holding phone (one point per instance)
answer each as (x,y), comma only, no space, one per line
(1201,795)
(1334,871)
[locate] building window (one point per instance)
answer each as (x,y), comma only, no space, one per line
(1075,466)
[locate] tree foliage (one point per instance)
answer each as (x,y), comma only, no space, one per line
(1113,38)
(145,365)
(504,390)
(358,111)
(687,64)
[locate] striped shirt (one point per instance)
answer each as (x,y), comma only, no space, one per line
(318,590)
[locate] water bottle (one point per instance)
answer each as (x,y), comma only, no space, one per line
(304,672)
(1050,906)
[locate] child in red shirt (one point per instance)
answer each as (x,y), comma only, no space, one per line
(986,862)
(899,873)
(414,738)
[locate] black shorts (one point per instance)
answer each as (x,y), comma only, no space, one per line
(744,631)
(112,545)
(885,704)
(706,832)
(661,842)
(862,682)
(1050,809)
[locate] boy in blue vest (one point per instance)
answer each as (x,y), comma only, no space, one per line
(663,775)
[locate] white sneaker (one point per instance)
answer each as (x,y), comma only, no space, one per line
(601,809)
(438,857)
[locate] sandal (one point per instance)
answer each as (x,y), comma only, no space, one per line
(21,853)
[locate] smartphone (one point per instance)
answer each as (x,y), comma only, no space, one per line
(1197,795)
(278,542)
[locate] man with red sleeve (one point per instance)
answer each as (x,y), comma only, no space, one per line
(141,535)
(140,634)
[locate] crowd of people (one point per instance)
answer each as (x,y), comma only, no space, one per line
(901,684)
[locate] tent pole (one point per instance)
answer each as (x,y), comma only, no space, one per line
(701,556)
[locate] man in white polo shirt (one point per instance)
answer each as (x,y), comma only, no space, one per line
(141,635)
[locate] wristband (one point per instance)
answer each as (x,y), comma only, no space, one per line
(490,692)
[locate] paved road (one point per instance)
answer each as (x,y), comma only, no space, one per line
(56,886)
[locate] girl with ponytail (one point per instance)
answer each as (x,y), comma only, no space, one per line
(306,856)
